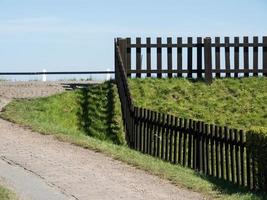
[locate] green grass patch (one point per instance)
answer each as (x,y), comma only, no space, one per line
(6,194)
(60,114)
(237,103)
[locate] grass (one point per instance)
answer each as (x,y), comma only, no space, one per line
(237,103)
(6,194)
(59,115)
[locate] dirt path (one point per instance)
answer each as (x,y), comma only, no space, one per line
(41,167)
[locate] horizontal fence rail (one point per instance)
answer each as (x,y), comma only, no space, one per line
(56,73)
(213,150)
(201,58)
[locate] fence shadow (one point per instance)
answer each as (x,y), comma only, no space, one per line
(97,111)
(228,188)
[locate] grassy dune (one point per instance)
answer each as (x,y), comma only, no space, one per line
(6,194)
(238,103)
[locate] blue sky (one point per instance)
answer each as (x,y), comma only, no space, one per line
(78,34)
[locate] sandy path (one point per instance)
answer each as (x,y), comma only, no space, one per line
(41,167)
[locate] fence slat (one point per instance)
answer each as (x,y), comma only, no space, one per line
(227,153)
(222,137)
(167,137)
(193,131)
(202,147)
(179,56)
(189,157)
(180,142)
(232,138)
(184,141)
(189,57)
(159,57)
(212,149)
(217,57)
(140,128)
(169,55)
(138,56)
(217,153)
(242,159)
(129,61)
(207,151)
(255,56)
(248,167)
(264,56)
(171,140)
(246,56)
(227,55)
(158,136)
(199,57)
(163,134)
(237,158)
(148,56)
(175,140)
(208,60)
(236,55)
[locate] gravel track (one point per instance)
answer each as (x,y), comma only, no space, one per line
(41,167)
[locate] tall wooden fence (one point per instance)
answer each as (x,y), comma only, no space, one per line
(213,150)
(203,58)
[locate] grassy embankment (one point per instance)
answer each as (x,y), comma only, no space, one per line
(76,116)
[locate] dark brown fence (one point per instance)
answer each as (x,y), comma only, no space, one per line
(213,150)
(203,58)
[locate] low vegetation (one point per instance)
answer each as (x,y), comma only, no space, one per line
(237,103)
(6,194)
(81,117)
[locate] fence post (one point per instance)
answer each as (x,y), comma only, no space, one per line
(208,60)
(264,56)
(123,50)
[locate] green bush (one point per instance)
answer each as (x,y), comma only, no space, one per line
(257,145)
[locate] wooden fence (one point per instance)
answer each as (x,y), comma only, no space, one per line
(213,150)
(203,58)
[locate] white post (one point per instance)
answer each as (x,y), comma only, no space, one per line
(44,75)
(108,75)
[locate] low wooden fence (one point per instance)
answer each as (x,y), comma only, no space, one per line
(217,151)
(203,58)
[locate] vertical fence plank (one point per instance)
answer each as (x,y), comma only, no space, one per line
(175,140)
(154,135)
(135,128)
(237,157)
(138,57)
(227,153)
(148,56)
(236,56)
(171,140)
(217,57)
(242,158)
(248,167)
(148,125)
(199,57)
(144,131)
(189,157)
(184,141)
(227,56)
(207,150)
(255,56)
(232,140)
(246,56)
(179,56)
(163,134)
(140,128)
(167,137)
(169,56)
(264,56)
(222,142)
(194,144)
(129,61)
(159,136)
(208,60)
(212,149)
(217,153)
(189,57)
(198,149)
(159,57)
(202,147)
(151,139)
(180,141)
